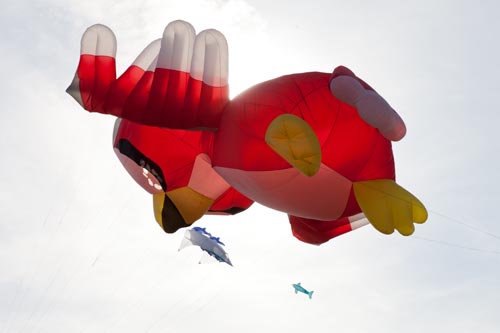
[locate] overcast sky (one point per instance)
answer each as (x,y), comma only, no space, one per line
(80,250)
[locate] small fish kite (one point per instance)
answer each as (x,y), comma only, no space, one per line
(298,288)
(209,244)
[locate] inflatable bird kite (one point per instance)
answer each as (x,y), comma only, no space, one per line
(316,146)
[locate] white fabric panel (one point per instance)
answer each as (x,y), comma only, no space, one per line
(378,113)
(359,223)
(74,90)
(356,217)
(98,40)
(374,110)
(210,58)
(186,240)
(347,89)
(193,237)
(177,46)
(148,57)
(205,180)
(199,239)
(115,130)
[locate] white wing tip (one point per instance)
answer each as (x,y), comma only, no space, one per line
(98,40)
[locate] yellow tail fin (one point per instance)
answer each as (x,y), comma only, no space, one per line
(388,206)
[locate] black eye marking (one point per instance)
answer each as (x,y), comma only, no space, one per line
(126,148)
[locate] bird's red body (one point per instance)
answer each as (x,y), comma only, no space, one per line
(351,149)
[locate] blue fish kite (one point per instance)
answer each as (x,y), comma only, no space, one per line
(209,244)
(298,288)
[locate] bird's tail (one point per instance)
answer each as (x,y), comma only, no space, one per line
(178,81)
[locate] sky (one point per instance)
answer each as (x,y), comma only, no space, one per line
(80,250)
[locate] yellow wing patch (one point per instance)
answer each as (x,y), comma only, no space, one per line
(388,206)
(295,141)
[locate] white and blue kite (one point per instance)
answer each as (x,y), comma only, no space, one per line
(209,244)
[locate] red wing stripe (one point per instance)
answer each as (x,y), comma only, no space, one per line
(122,88)
(105,74)
(135,105)
(95,75)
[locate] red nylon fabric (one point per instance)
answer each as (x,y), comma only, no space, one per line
(174,151)
(229,200)
(136,103)
(318,232)
(96,73)
(177,100)
(86,75)
(349,145)
(165,97)
(121,89)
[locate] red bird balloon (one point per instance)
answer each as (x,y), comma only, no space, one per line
(316,146)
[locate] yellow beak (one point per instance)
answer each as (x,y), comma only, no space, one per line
(179,208)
